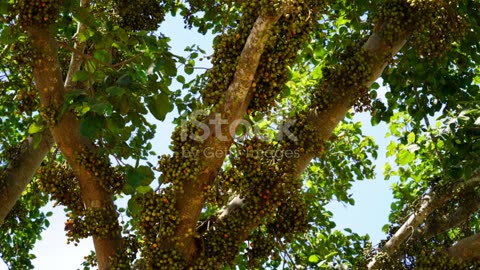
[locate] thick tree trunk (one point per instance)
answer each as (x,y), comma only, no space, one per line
(19,173)
(66,132)
(29,159)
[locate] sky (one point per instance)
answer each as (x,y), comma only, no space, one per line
(367,216)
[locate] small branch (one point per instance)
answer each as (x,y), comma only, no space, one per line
(452,219)
(79,53)
(430,202)
(117,66)
(76,60)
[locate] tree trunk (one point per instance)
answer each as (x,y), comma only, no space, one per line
(66,132)
(18,174)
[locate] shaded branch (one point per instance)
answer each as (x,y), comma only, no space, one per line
(466,250)
(435,226)
(430,202)
(18,174)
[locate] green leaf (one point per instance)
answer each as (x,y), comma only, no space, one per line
(5,8)
(115,91)
(314,258)
(91,125)
(140,176)
(37,139)
(189,69)
(8,35)
(144,189)
(35,128)
(127,189)
(80,76)
(133,207)
(181,79)
(102,56)
(405,157)
(411,138)
(159,106)
(84,16)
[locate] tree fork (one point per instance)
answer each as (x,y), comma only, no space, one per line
(325,121)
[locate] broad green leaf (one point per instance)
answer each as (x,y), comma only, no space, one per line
(159,106)
(314,258)
(189,69)
(35,127)
(102,56)
(181,79)
(140,176)
(144,189)
(37,139)
(404,157)
(115,90)
(91,125)
(411,138)
(8,35)
(80,76)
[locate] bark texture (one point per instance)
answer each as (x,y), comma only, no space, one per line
(19,173)
(66,133)
(190,202)
(430,203)
(325,121)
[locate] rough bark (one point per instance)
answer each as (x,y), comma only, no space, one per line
(325,121)
(19,173)
(430,202)
(29,159)
(435,226)
(66,132)
(466,250)
(190,202)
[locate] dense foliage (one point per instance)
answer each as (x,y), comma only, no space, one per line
(264,138)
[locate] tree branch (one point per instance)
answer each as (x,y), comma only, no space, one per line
(76,60)
(449,220)
(21,170)
(190,201)
(430,202)
(66,132)
(323,122)
(466,250)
